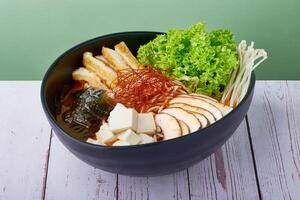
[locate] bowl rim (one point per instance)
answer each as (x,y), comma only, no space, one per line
(79,142)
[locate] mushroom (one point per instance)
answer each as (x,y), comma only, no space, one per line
(201,119)
(210,117)
(169,125)
(191,121)
(223,108)
(193,101)
(204,96)
(184,128)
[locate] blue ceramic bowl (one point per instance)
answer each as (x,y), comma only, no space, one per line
(140,160)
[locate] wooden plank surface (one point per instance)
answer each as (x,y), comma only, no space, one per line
(274,120)
(70,178)
(169,187)
(227,174)
(24,143)
(274,124)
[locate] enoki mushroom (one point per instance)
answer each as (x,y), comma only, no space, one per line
(249,59)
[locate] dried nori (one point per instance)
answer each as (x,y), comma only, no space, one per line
(90,107)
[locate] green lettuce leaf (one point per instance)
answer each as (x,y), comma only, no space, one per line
(203,61)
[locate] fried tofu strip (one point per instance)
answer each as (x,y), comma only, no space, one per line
(127,56)
(104,72)
(83,74)
(115,59)
(103,59)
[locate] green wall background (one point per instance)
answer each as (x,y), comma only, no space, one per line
(34,32)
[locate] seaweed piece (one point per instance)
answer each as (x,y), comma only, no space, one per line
(90,107)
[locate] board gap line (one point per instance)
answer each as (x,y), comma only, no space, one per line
(117,187)
(253,157)
(47,167)
(189,185)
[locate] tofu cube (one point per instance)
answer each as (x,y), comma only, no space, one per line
(122,118)
(129,136)
(146,123)
(103,127)
(106,136)
(146,139)
(92,141)
(120,143)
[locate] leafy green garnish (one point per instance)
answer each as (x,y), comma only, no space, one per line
(203,61)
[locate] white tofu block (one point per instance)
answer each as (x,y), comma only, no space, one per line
(120,143)
(122,118)
(129,136)
(146,139)
(98,137)
(146,123)
(103,127)
(106,136)
(92,141)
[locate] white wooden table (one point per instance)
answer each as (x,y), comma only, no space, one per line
(260,161)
